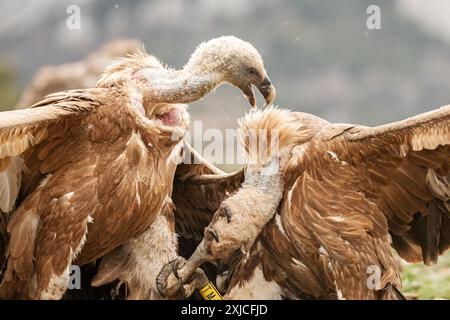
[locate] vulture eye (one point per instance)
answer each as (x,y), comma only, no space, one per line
(251,71)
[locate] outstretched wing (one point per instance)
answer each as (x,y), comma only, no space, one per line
(407,165)
(355,185)
(199,188)
(21,130)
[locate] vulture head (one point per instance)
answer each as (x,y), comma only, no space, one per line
(230,59)
(221,60)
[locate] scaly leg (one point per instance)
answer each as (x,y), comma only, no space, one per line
(234,227)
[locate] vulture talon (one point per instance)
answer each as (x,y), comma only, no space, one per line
(167,285)
(211,234)
(163,276)
(228,213)
(177,265)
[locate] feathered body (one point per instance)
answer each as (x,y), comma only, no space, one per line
(94,167)
(89,172)
(351,193)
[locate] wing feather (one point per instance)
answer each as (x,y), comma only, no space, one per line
(21,130)
(199,188)
(404,169)
(357,191)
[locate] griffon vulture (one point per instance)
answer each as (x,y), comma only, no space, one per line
(349,194)
(88,171)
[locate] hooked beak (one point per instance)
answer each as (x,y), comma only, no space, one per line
(266,88)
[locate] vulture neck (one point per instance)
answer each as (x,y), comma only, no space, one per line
(177,86)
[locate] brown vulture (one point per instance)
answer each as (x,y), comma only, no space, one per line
(85,172)
(323,225)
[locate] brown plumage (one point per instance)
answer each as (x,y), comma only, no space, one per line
(351,193)
(76,75)
(89,172)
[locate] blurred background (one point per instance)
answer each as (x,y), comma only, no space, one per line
(320,55)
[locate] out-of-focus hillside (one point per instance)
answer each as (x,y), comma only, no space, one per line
(9,88)
(319,53)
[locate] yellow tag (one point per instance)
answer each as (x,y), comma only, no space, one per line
(210,292)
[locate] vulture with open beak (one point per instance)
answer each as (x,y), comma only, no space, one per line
(86,172)
(318,218)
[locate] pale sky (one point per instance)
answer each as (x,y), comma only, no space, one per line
(432,15)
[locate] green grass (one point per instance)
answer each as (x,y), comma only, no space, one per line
(427,282)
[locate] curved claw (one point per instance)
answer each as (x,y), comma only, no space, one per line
(177,265)
(210,234)
(168,285)
(225,211)
(228,213)
(162,280)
